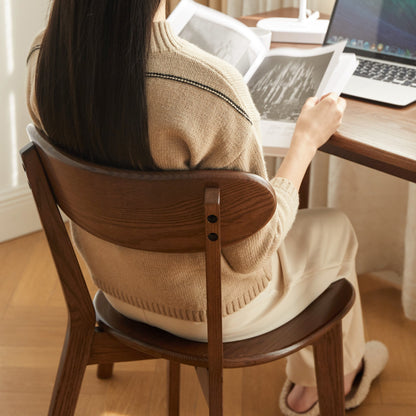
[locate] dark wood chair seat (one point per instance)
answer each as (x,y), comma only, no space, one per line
(287,339)
(185,211)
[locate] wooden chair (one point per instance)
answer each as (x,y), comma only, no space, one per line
(196,211)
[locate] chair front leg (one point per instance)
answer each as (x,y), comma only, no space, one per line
(74,359)
(329,370)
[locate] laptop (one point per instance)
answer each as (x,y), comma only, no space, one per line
(382,33)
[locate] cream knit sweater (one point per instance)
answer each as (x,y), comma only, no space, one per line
(201,116)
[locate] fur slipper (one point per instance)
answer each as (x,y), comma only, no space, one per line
(286,410)
(375,359)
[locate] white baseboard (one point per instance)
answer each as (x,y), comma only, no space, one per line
(18,214)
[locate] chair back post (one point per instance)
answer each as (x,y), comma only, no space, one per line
(214,300)
(77,297)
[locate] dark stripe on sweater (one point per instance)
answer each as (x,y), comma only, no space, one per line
(203,87)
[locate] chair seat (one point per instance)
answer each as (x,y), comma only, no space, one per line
(301,331)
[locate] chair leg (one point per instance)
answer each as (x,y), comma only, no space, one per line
(74,359)
(215,392)
(329,369)
(174,388)
(105,370)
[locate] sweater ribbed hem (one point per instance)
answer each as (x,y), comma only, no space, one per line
(185,314)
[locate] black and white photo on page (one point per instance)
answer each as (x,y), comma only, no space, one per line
(282,84)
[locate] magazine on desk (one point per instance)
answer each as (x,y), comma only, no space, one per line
(280,80)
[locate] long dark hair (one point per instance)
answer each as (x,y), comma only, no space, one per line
(90,81)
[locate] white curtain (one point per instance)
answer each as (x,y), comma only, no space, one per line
(220,5)
(382,208)
(246,7)
(243,8)
(409,272)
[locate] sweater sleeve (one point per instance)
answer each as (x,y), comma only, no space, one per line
(250,253)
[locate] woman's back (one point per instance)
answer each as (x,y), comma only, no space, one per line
(200,116)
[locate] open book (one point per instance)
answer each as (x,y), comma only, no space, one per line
(280,80)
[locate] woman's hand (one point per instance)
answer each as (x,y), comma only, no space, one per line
(318,121)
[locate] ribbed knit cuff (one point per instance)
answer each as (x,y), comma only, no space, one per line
(283,185)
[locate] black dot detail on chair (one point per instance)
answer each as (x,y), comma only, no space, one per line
(213,236)
(212,219)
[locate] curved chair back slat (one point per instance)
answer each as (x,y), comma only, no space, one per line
(154,211)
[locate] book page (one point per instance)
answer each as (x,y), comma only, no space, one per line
(286,79)
(218,34)
(341,74)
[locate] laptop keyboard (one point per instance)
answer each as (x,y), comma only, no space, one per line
(386,72)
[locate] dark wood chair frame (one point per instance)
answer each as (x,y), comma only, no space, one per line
(168,212)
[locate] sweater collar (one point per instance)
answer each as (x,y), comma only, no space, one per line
(162,38)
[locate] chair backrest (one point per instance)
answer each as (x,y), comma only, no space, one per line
(181,211)
(154,211)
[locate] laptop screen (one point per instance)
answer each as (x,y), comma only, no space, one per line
(384,29)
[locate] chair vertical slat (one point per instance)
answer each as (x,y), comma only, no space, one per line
(214,301)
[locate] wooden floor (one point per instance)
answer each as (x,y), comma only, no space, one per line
(32,326)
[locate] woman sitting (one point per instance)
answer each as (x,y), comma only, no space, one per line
(109,82)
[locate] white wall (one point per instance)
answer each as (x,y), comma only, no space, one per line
(20,20)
